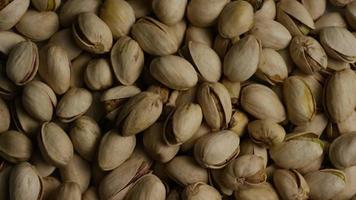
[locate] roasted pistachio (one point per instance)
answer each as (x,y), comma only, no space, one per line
(198,34)
(341,151)
(257,192)
(169,11)
(290,184)
(8,40)
(266,133)
(116,96)
(16,9)
(46,5)
(71,9)
(200,190)
(97,75)
(65,40)
(148,187)
(69,190)
(330,19)
(316,8)
(15,147)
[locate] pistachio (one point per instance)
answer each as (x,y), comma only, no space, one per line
(348,125)
(22,63)
(341,151)
(15,147)
(349,189)
(11,13)
(257,192)
(55,145)
(265,9)
(8,40)
(222,45)
(141,8)
(74,103)
(189,144)
(290,184)
(174,72)
(50,187)
(4,116)
(116,96)
(238,123)
(127,60)
(69,190)
(77,69)
(23,121)
(97,75)
(198,34)
(337,65)
(90,194)
(316,125)
(118,15)
(247,147)
(92,34)
(330,19)
(351,14)
(270,108)
(43,168)
(266,133)
(46,5)
(169,11)
(241,61)
(316,8)
(148,187)
(200,190)
(202,13)
(65,40)
(233,88)
(71,9)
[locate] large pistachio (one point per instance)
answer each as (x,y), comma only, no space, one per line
(11,13)
(235,19)
(25,183)
(215,102)
(127,60)
(198,34)
(189,144)
(92,34)
(116,184)
(65,40)
(338,99)
(114,149)
(316,8)
(316,125)
(299,100)
(22,63)
(114,97)
(71,9)
(326,183)
(73,104)
(149,187)
(270,108)
(266,133)
(272,67)
(199,191)
(55,145)
(342,150)
(139,113)
(34,27)
(216,150)
(295,17)
(50,187)
(248,147)
(351,14)
(8,40)
(46,5)
(69,190)
(263,191)
(15,147)
(85,135)
(204,59)
(169,11)
(241,61)
(330,19)
(97,75)
(154,37)
(4,116)
(174,72)
(118,15)
(297,151)
(185,171)
(290,185)
(308,54)
(204,13)
(339,43)
(155,145)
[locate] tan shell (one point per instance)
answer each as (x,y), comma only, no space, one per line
(65,40)
(248,147)
(23,121)
(46,5)
(12,13)
(169,11)
(5,117)
(68,190)
(71,9)
(238,122)
(114,97)
(15,147)
(330,19)
(199,191)
(97,75)
(266,133)
(257,192)
(43,168)
(317,125)
(204,13)
(316,8)
(149,187)
(8,40)
(341,151)
(50,187)
(189,144)
(77,69)
(198,34)
(349,190)
(290,184)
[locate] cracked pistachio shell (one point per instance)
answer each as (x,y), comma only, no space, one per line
(54,68)
(336,65)
(265,9)
(169,12)
(5,117)
(50,187)
(55,145)
(9,40)
(290,185)
(22,63)
(340,3)
(77,170)
(235,19)
(119,16)
(92,34)
(181,125)
(199,190)
(117,183)
(184,170)
(201,35)
(241,61)
(248,147)
(339,43)
(299,100)
(155,145)
(350,189)
(216,150)
(34,27)
(204,13)
(297,151)
(266,133)
(244,170)
(351,14)
(316,8)
(139,113)
(189,144)
(317,125)
(308,54)
(46,5)
(270,108)
(215,103)
(97,75)
(238,122)
(272,67)
(25,183)
(342,151)
(325,183)
(11,13)
(174,72)
(114,149)
(263,191)
(69,190)
(205,60)
(39,100)
(339,101)
(154,37)
(127,60)
(15,146)
(315,82)
(148,187)
(222,45)
(116,96)
(65,40)
(330,19)
(295,17)
(71,9)
(85,135)
(74,103)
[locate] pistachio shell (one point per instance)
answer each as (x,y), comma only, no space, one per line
(65,40)
(257,192)
(141,7)
(5,171)
(222,45)
(15,147)
(169,11)
(69,190)
(348,125)
(189,144)
(46,5)
(43,168)
(12,13)
(149,187)
(199,191)
(341,151)
(266,133)
(233,88)
(290,184)
(71,9)
(316,8)
(114,97)
(4,116)
(247,147)
(23,121)
(77,69)
(90,194)
(8,40)
(50,187)
(266,9)
(204,13)
(198,34)
(238,122)
(330,19)
(97,75)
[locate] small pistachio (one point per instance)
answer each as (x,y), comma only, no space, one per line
(148,187)
(8,40)
(290,184)
(203,14)
(11,13)
(169,11)
(71,9)
(197,191)
(69,190)
(15,147)
(46,5)
(5,117)
(330,19)
(341,151)
(65,40)
(97,75)
(263,191)
(198,34)
(114,97)
(266,132)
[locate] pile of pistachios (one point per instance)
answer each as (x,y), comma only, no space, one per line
(177,100)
